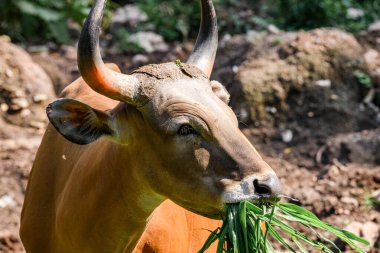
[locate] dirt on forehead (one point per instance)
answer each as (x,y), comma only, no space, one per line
(170,71)
(153,75)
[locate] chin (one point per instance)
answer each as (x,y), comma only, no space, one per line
(214,213)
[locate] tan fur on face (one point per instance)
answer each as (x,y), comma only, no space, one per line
(98,197)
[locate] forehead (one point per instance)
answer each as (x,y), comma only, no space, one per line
(160,81)
(187,89)
(181,86)
(192,97)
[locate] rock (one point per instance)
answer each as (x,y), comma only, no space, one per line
(7,201)
(5,38)
(368,230)
(38,98)
(232,52)
(371,55)
(376,197)
(287,136)
(273,29)
(323,83)
(4,107)
(128,15)
(354,13)
(255,37)
(358,147)
(20,80)
(37,124)
(18,104)
(374,27)
(308,77)
(64,69)
(140,60)
(371,37)
(149,41)
(310,195)
(350,201)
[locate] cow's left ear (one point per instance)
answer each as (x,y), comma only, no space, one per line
(78,122)
(220,91)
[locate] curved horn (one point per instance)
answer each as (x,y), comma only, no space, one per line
(203,55)
(103,80)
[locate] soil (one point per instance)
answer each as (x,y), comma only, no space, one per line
(332,173)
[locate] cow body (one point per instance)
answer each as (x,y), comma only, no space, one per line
(173,229)
(119,145)
(73,174)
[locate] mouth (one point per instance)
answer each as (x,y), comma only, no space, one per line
(237,197)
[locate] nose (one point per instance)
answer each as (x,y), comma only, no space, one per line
(270,187)
(267,188)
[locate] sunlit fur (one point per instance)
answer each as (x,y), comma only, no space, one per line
(98,197)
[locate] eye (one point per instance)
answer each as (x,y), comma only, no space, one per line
(186,129)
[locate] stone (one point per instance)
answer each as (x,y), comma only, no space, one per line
(38,98)
(354,13)
(374,27)
(357,147)
(376,196)
(129,15)
(140,60)
(7,201)
(368,230)
(21,79)
(287,136)
(19,104)
(350,201)
(307,76)
(323,83)
(149,41)
(273,29)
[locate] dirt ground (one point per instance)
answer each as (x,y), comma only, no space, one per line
(323,172)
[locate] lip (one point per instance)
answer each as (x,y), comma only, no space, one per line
(233,198)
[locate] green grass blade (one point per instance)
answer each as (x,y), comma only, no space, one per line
(346,236)
(243,222)
(232,233)
(279,238)
(210,240)
(241,231)
(221,238)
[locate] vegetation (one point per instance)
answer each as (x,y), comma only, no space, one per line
(39,20)
(363,79)
(321,13)
(175,19)
(247,228)
(172,19)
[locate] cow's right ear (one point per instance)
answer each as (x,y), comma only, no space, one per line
(78,122)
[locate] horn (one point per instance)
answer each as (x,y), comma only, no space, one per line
(203,55)
(103,80)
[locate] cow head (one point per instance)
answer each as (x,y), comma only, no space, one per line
(176,120)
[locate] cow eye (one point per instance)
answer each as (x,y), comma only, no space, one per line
(186,129)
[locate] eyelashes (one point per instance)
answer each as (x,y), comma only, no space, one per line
(186,130)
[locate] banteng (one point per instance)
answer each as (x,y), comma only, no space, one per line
(120,145)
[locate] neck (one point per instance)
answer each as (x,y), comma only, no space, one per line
(111,203)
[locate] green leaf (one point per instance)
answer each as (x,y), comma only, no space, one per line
(39,11)
(59,31)
(241,231)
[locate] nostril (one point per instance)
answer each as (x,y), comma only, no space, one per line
(261,189)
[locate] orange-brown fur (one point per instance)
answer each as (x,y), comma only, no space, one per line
(171,228)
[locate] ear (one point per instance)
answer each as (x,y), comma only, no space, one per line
(220,91)
(78,122)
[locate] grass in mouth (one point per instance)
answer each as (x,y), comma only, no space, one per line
(247,228)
